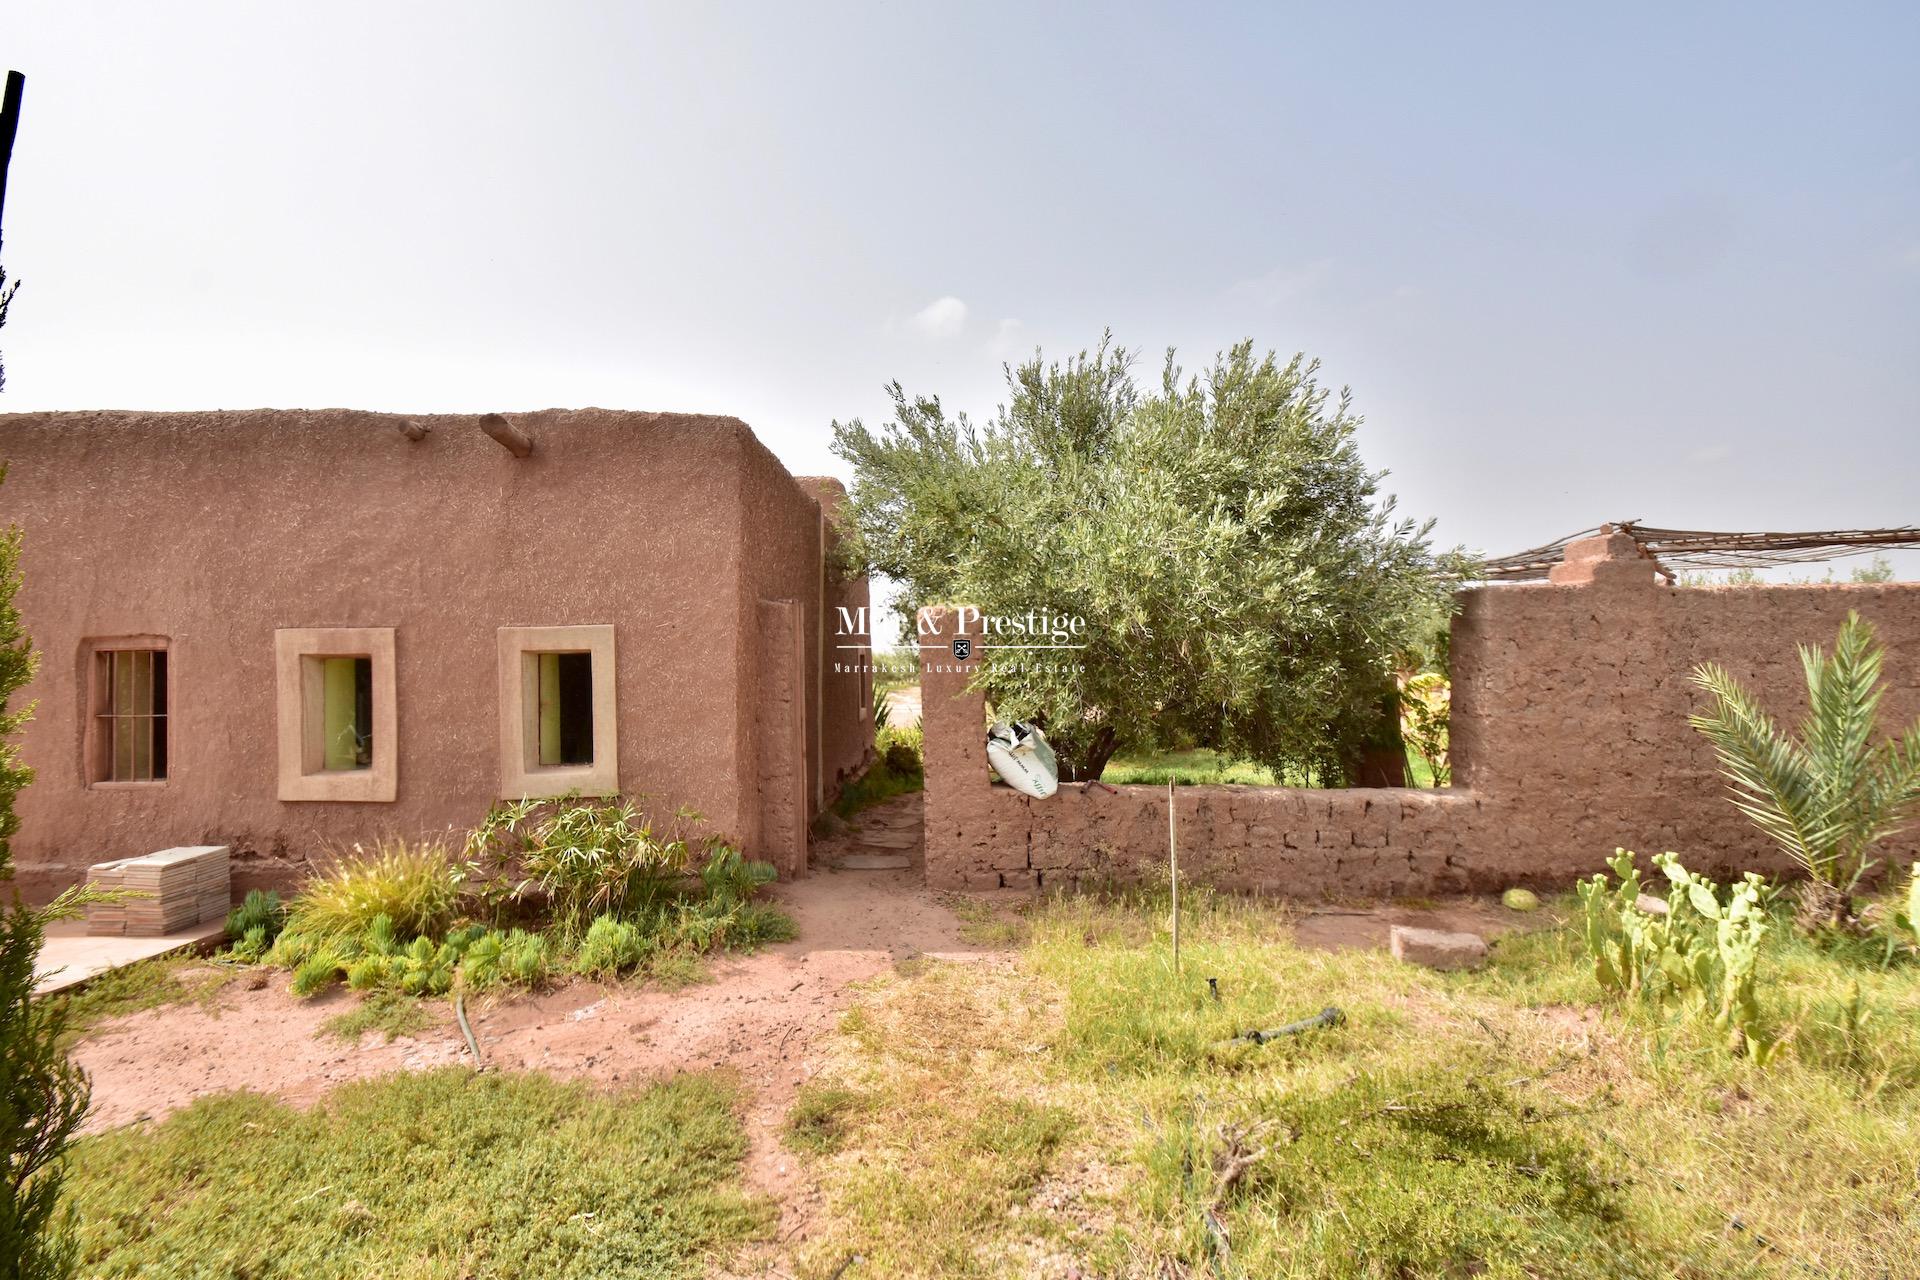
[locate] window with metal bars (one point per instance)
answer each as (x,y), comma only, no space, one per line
(131,715)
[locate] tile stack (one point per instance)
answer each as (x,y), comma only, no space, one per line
(106,919)
(177,888)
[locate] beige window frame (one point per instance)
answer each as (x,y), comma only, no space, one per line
(522,776)
(300,689)
(99,719)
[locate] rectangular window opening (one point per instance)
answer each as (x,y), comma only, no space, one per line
(346,713)
(566,708)
(132,715)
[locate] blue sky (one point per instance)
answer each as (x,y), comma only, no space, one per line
(1576,263)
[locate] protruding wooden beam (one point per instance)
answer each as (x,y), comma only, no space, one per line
(413,430)
(511,438)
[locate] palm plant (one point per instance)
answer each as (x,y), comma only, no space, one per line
(1828,797)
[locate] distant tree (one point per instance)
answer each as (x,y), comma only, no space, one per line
(1878,569)
(1245,586)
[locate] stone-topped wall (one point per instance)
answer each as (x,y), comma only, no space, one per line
(1570,737)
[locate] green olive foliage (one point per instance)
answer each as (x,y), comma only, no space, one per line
(1245,585)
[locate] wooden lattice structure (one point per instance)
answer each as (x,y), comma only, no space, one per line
(1673,550)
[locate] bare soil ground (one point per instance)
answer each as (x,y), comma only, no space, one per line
(757,1016)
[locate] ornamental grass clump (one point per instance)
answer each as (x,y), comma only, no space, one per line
(415,885)
(1829,796)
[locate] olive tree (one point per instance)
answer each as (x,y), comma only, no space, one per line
(1245,584)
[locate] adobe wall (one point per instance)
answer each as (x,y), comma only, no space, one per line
(1570,738)
(215,529)
(846,701)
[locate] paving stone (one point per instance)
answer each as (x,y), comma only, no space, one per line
(874,862)
(1436,948)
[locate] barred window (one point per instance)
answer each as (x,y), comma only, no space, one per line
(131,714)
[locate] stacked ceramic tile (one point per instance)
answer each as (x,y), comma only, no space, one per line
(106,918)
(216,883)
(168,891)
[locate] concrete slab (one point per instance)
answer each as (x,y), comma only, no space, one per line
(67,960)
(874,862)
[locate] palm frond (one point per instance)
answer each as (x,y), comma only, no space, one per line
(1830,797)
(1772,778)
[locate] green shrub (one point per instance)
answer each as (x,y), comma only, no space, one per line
(427,968)
(260,915)
(588,859)
(381,938)
(291,948)
(480,966)
(756,924)
(372,972)
(524,958)
(897,770)
(1706,949)
(728,877)
(316,973)
(252,946)
(610,947)
(416,886)
(903,748)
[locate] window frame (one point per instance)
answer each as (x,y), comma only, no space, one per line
(522,776)
(300,701)
(95,748)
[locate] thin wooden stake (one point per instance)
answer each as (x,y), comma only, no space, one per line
(1173,875)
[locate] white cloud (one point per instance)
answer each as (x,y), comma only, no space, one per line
(941,318)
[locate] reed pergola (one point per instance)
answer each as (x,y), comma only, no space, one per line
(1673,550)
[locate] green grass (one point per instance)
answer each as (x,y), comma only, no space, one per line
(981,925)
(1192,768)
(1203,766)
(1084,1106)
(442,1174)
(896,770)
(147,984)
(817,1122)
(391,1013)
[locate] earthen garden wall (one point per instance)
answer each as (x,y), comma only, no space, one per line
(1570,738)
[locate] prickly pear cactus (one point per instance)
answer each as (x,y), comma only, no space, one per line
(1705,951)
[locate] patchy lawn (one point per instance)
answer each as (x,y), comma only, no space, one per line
(440,1174)
(1076,1107)
(146,984)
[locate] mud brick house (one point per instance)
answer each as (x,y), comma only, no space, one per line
(280,629)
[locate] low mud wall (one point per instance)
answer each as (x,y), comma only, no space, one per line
(1570,738)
